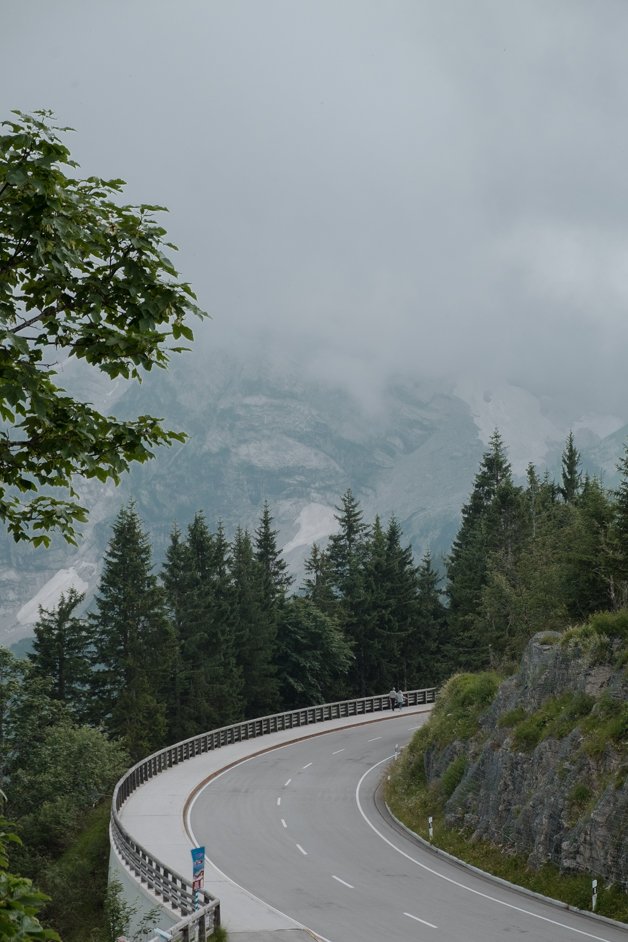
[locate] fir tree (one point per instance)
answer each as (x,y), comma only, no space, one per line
(228,685)
(345,548)
(208,688)
(177,581)
(377,638)
(275,579)
(617,544)
(255,634)
(571,477)
(586,577)
(318,584)
(60,651)
(423,655)
(390,599)
(346,553)
(131,641)
(486,527)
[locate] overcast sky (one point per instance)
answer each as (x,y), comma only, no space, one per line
(435,185)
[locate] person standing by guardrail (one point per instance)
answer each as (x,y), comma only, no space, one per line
(392,696)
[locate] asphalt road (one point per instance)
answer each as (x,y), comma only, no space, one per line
(298,827)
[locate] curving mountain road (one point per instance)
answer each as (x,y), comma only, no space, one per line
(299,828)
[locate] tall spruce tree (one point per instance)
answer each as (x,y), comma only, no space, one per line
(274,575)
(346,546)
(346,553)
(273,582)
(255,634)
(617,542)
(422,652)
(587,588)
(389,607)
(229,684)
(378,640)
(402,583)
(177,581)
(571,475)
(318,584)
(60,651)
(209,682)
(131,641)
(488,511)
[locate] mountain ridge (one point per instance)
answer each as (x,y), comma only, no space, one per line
(261,429)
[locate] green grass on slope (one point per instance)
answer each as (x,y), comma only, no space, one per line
(463,699)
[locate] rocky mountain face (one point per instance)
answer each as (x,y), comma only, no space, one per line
(261,429)
(547,773)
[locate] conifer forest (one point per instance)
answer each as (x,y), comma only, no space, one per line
(222,632)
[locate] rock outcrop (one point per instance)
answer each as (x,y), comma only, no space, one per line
(546,775)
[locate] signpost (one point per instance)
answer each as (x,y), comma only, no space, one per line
(430,824)
(198,874)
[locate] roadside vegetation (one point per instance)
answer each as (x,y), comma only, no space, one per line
(415,793)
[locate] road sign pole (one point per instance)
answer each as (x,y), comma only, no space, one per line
(198,875)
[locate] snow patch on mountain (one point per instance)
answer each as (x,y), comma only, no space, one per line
(527,432)
(314,522)
(50,593)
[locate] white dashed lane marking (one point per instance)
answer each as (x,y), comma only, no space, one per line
(374,739)
(430,924)
(304,852)
(307,766)
(344,882)
(285,784)
(337,751)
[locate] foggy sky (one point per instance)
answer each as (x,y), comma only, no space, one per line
(433,185)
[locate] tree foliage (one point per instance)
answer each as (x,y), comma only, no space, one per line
(60,651)
(313,655)
(81,276)
(131,641)
(20,902)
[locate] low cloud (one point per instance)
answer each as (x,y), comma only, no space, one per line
(433,188)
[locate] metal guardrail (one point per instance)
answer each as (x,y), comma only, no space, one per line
(173,889)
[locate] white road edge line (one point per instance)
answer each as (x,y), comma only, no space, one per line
(462,886)
(307,766)
(303,851)
(344,882)
(337,751)
(424,921)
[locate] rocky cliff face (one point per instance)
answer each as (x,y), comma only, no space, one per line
(547,773)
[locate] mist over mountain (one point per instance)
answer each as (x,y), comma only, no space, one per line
(261,427)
